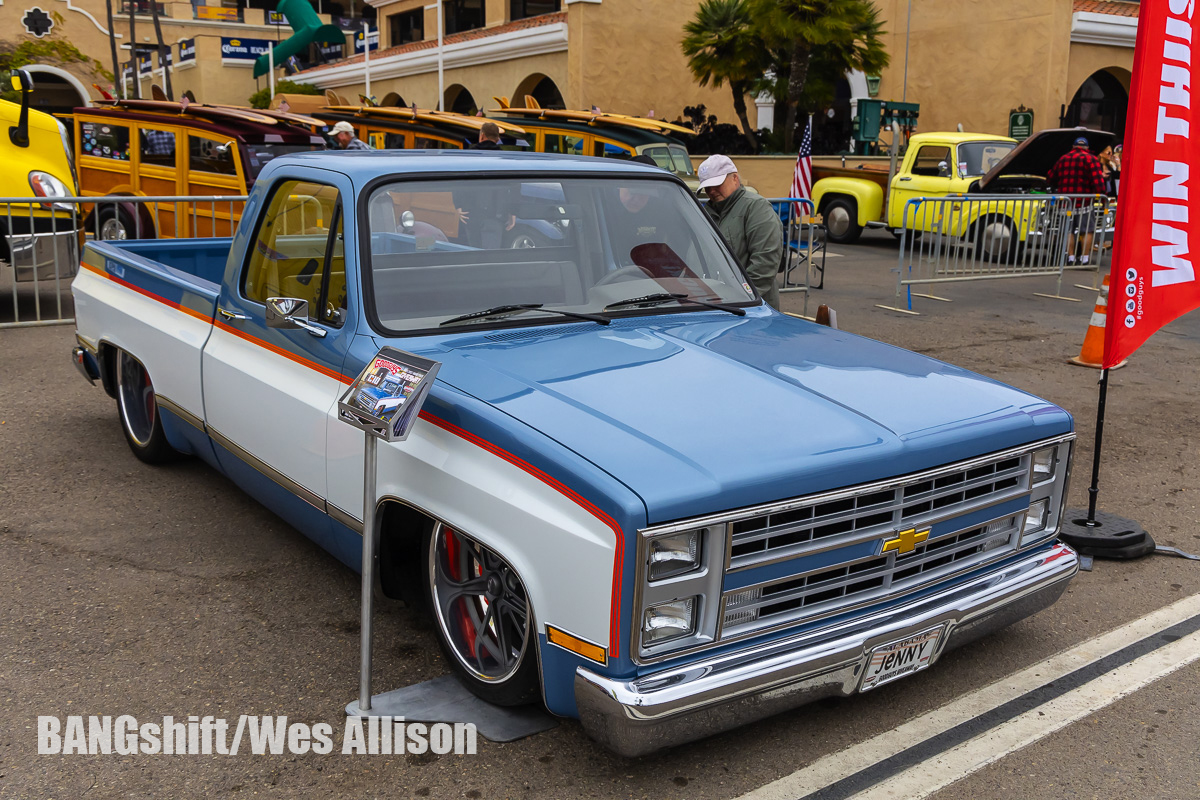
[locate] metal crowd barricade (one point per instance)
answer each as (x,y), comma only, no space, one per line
(804,240)
(41,242)
(986,237)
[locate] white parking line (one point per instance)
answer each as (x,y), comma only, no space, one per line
(933,774)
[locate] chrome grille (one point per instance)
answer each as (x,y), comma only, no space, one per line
(873,512)
(848,518)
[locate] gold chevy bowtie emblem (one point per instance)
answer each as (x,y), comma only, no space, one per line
(906,541)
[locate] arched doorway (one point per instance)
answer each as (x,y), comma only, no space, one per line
(393,99)
(459,100)
(55,90)
(542,89)
(1100,103)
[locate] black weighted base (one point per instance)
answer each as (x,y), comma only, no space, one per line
(1112,537)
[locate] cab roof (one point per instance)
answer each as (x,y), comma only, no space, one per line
(363,166)
(956,137)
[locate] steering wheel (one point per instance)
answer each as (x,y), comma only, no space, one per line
(623,274)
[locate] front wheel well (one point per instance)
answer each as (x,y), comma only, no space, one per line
(401,533)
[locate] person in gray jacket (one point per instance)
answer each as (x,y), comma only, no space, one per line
(748,222)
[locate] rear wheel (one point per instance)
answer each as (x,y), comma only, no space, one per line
(841,220)
(484,618)
(115,223)
(138,409)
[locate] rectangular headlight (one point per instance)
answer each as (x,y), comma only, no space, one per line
(670,620)
(674,555)
(1044,461)
(1035,518)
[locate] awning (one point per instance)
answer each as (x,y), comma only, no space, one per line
(308,29)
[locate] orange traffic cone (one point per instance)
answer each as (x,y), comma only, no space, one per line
(1092,352)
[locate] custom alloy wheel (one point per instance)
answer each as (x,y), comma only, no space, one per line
(484,618)
(138,409)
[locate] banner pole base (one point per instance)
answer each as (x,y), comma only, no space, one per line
(1109,537)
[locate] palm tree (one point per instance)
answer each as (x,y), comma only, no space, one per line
(163,50)
(844,34)
(721,46)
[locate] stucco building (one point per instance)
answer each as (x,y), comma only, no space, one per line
(966,62)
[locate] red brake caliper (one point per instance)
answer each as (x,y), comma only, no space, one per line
(460,609)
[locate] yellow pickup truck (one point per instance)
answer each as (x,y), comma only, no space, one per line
(948,165)
(36,239)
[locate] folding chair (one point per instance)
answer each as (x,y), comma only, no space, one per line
(804,246)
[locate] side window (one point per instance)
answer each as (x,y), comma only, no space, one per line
(932,161)
(298,252)
(428,143)
(559,143)
(603,149)
(102,140)
(394,141)
(158,147)
(211,155)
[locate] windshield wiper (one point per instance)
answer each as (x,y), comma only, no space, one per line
(501,311)
(667,297)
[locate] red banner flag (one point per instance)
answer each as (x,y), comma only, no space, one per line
(1153,278)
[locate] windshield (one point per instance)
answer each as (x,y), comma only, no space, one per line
(441,249)
(259,154)
(673,158)
(978,158)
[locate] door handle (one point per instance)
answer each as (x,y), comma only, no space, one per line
(231,314)
(906,178)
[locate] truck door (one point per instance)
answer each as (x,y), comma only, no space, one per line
(214,167)
(930,176)
(159,172)
(269,391)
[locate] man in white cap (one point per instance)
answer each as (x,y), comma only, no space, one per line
(343,134)
(748,222)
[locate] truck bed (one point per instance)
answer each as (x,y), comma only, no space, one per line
(876,173)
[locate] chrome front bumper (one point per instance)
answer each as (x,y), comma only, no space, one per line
(46,256)
(688,702)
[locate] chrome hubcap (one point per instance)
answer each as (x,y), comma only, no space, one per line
(112,228)
(837,220)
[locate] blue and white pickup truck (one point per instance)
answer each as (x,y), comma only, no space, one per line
(635,492)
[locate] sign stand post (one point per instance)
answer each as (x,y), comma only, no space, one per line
(383,402)
(370,462)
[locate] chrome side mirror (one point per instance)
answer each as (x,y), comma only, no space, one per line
(408,221)
(290,313)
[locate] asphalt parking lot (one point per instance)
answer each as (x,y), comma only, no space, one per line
(129,589)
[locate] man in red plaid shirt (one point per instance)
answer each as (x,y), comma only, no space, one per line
(1079,172)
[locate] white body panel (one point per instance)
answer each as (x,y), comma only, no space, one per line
(166,340)
(270,406)
(564,554)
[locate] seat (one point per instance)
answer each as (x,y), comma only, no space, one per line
(804,247)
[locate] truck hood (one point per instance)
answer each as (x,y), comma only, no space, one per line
(1037,154)
(702,412)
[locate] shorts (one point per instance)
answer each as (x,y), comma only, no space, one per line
(1083,221)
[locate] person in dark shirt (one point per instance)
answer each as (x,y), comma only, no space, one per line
(485,216)
(1079,172)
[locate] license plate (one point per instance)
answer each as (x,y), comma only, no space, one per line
(897,659)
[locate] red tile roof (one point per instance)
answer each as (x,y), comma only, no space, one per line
(454,38)
(1117,8)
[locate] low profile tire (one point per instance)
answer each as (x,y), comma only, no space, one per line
(841,220)
(138,409)
(483,618)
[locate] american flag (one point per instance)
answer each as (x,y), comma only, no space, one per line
(802,180)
